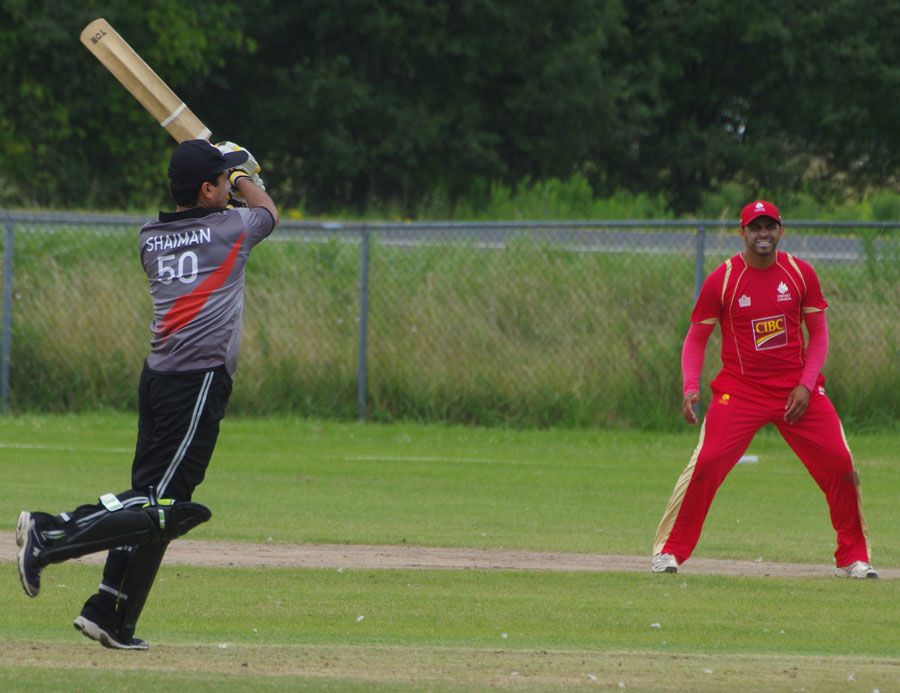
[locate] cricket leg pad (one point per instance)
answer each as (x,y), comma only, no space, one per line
(146,525)
(182,517)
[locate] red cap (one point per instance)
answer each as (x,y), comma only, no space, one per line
(760,208)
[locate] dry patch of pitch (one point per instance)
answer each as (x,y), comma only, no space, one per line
(449,667)
(363,557)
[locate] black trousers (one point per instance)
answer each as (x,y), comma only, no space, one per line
(178,425)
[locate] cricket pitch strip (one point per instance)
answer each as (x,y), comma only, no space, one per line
(402,557)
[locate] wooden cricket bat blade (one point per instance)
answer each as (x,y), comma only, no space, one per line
(144,84)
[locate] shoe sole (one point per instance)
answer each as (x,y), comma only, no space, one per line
(23,534)
(868,576)
(91,630)
(667,569)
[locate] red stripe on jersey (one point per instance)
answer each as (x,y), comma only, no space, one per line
(187,307)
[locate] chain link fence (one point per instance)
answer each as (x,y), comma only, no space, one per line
(526,324)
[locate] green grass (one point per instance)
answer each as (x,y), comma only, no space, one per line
(288,480)
(484,609)
(529,336)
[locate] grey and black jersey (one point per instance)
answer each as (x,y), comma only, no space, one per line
(194,261)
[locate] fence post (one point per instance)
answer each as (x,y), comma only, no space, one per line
(362,365)
(7,318)
(699,255)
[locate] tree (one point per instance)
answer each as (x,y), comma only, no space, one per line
(766,93)
(365,101)
(72,136)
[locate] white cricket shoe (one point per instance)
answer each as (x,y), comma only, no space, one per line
(107,637)
(28,539)
(663,563)
(856,570)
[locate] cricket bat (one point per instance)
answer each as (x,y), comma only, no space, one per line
(144,84)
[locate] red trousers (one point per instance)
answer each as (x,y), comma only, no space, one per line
(730,424)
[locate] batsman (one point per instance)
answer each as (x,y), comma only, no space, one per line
(194,259)
(761,300)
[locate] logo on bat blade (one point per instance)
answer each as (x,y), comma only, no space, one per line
(96,38)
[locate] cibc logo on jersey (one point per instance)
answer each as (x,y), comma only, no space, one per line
(769,333)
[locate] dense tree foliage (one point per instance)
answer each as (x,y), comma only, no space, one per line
(71,135)
(367,102)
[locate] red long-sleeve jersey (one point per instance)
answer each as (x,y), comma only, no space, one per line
(761,316)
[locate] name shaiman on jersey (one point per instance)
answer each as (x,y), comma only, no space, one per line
(177,239)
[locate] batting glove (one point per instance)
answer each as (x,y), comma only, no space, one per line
(250,166)
(237,174)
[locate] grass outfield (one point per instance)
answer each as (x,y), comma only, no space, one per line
(283,480)
(530,336)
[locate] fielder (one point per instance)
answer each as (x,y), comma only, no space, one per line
(760,299)
(194,259)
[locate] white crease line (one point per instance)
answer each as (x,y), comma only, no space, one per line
(453,460)
(65,448)
(479,460)
(343,458)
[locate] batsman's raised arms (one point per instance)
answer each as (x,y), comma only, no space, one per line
(144,84)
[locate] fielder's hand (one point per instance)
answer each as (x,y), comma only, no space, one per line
(796,404)
(687,406)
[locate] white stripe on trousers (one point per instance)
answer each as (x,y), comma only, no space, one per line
(189,436)
(179,454)
(114,592)
(134,500)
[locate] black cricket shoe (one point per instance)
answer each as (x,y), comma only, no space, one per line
(28,539)
(107,636)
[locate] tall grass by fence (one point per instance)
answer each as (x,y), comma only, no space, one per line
(526,325)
